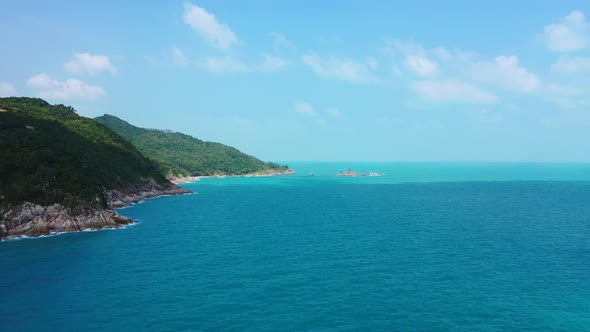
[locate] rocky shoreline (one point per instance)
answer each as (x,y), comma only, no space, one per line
(189,179)
(33,220)
(117,199)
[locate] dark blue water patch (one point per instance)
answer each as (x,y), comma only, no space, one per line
(465,256)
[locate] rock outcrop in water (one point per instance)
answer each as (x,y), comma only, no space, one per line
(351,173)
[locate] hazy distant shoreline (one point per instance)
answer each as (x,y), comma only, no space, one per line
(191,179)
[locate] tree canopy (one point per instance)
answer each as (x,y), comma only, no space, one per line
(182,155)
(49,154)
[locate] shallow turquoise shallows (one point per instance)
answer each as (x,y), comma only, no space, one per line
(426,247)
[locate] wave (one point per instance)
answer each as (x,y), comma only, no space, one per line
(54,233)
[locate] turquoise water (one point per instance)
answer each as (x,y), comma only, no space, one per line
(427,247)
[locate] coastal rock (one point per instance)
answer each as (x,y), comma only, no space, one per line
(353,174)
(30,219)
(117,199)
(36,220)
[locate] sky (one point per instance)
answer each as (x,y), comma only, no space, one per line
(319,80)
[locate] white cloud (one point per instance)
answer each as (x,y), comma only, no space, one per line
(7,90)
(395,47)
(372,63)
(178,56)
(442,53)
(570,34)
(421,65)
(271,63)
(334,113)
(68,89)
(453,90)
(86,63)
(227,64)
(281,41)
(505,72)
(42,81)
(215,32)
(304,108)
(567,96)
(561,90)
(575,65)
(344,69)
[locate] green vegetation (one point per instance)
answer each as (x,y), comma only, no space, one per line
(182,155)
(49,154)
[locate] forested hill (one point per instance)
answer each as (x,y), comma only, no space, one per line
(49,154)
(183,155)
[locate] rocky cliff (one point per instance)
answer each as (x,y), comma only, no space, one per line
(31,220)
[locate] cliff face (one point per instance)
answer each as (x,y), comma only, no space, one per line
(34,220)
(117,199)
(30,219)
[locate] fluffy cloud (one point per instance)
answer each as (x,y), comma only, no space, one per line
(344,69)
(304,108)
(570,34)
(68,89)
(215,32)
(396,47)
(7,89)
(281,41)
(421,65)
(561,90)
(86,63)
(453,90)
(269,64)
(568,65)
(505,72)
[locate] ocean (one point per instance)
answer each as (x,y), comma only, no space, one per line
(426,247)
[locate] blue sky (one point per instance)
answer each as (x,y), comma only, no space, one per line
(308,80)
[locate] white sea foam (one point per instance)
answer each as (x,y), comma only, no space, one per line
(54,233)
(150,198)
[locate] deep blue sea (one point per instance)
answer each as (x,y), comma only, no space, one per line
(426,247)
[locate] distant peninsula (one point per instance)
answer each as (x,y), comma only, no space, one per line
(183,158)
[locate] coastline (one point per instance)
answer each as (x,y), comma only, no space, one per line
(29,220)
(191,179)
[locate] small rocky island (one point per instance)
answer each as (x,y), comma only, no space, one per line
(351,173)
